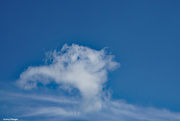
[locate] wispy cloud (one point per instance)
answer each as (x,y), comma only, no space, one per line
(80,73)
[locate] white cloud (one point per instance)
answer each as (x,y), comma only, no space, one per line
(111,110)
(52,111)
(84,69)
(75,67)
(120,110)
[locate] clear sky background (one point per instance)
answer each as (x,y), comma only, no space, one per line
(143,35)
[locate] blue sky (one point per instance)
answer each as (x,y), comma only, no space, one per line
(143,36)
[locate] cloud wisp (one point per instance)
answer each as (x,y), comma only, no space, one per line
(81,73)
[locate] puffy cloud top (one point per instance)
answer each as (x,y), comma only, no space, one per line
(74,67)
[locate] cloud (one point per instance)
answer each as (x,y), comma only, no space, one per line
(115,110)
(74,67)
(79,74)
(49,108)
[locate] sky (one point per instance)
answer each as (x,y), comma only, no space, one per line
(90,60)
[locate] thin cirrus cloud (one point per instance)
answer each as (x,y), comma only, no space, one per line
(85,70)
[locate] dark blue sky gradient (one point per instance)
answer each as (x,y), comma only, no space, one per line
(143,35)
